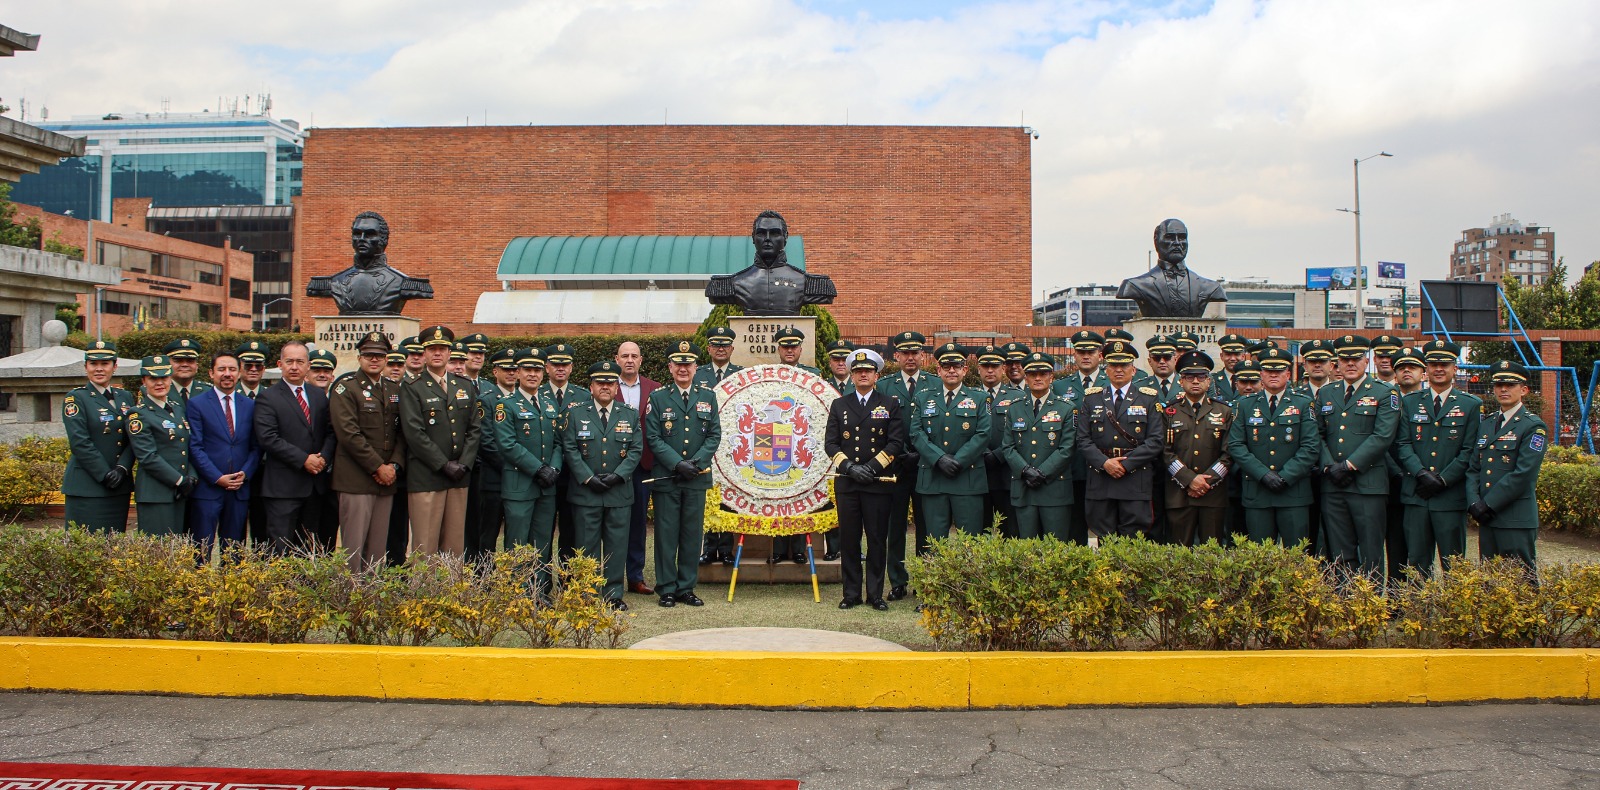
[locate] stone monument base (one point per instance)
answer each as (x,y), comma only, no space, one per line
(753,343)
(342,333)
(1208,329)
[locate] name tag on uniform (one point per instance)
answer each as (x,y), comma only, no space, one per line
(1018,425)
(1136,411)
(1422,417)
(1327,408)
(1255,420)
(583,434)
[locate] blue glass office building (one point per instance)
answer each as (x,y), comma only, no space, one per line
(193,159)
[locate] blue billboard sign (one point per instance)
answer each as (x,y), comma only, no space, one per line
(1337,278)
(1391,271)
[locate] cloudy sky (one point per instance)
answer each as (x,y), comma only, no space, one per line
(1240,117)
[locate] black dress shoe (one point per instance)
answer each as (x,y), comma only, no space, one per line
(800,558)
(708,558)
(830,556)
(727,559)
(880,605)
(666,602)
(848,604)
(617,604)
(896,593)
(690,599)
(774,559)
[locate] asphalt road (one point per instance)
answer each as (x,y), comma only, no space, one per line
(1490,746)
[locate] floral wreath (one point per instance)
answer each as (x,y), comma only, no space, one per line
(719,520)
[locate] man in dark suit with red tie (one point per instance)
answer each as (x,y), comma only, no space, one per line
(291,421)
(222,445)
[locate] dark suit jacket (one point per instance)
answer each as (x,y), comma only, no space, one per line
(286,439)
(646,386)
(214,452)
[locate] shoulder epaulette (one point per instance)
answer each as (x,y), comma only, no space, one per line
(1094,390)
(1150,391)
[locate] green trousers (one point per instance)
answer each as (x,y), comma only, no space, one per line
(1286,525)
(961,511)
(603,532)
(1518,543)
(1429,530)
(98,513)
(161,518)
(1356,526)
(680,524)
(1044,521)
(533,522)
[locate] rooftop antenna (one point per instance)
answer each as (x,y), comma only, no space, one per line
(166,105)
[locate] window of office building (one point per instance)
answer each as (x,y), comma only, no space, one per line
(238,289)
(162,308)
(288,172)
(133,259)
(72,187)
(191,179)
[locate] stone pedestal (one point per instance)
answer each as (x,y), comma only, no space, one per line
(341,334)
(1209,329)
(753,343)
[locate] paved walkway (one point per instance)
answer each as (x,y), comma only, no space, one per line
(1487,746)
(783,640)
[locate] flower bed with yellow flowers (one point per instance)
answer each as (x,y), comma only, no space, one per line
(720,520)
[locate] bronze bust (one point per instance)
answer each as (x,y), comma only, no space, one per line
(1171,290)
(371,286)
(770,286)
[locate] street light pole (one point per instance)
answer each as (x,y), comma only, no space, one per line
(266,305)
(1361,308)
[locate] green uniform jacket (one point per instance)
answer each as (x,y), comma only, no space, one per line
(706,375)
(161,444)
(440,424)
(677,432)
(960,429)
(591,451)
(894,386)
(365,417)
(529,437)
(1359,431)
(98,439)
(1196,444)
(1505,467)
(1289,443)
(1004,394)
(1440,442)
(196,387)
(573,397)
(490,461)
(1168,392)
(1070,386)
(1047,442)
(1222,388)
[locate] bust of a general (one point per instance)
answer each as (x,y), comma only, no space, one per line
(371,286)
(770,286)
(1171,290)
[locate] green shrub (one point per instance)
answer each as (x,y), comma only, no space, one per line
(30,472)
(1569,492)
(827,328)
(140,343)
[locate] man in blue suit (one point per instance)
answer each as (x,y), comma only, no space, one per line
(222,445)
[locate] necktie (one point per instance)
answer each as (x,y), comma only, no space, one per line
(863,401)
(1499,420)
(251,393)
(227,411)
(719,373)
(1272,405)
(1116,402)
(1349,392)
(949,398)
(1037,402)
(305,408)
(1438,404)
(560,398)
(911,384)
(604,419)
(1087,382)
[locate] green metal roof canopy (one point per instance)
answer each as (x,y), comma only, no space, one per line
(632,257)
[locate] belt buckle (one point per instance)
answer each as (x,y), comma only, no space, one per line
(1116,452)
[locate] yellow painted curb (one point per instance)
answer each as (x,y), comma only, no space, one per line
(767,680)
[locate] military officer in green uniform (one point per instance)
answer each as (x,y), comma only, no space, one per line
(1439,426)
(1503,470)
(1384,350)
(99,474)
(485,514)
(1086,375)
(527,431)
(1359,417)
(719,347)
(439,415)
(790,340)
(1275,446)
(159,433)
(997,390)
(1039,435)
(457,364)
(1316,361)
(558,389)
(252,356)
(1185,341)
(477,347)
(1195,460)
(412,346)
(1233,347)
(902,387)
(185,355)
(1016,360)
(949,426)
(603,442)
(394,366)
(1407,369)
(839,365)
(1161,352)
(322,364)
(683,430)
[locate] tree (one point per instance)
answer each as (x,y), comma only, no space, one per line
(17,234)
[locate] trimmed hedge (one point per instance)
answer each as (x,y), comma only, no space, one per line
(1569,492)
(140,343)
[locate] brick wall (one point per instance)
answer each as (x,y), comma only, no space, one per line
(921,218)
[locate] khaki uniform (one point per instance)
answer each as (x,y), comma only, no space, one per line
(365,417)
(440,425)
(1196,445)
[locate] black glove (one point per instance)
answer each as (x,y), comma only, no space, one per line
(1339,474)
(1033,478)
(185,486)
(685,471)
(1481,513)
(989,457)
(947,465)
(455,470)
(597,484)
(1273,482)
(546,476)
(114,477)
(612,479)
(1429,484)
(861,473)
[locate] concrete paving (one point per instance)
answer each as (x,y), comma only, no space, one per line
(785,640)
(1487,746)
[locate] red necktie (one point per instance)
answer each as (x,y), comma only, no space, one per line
(227,409)
(304,408)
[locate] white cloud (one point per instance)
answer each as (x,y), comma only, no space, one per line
(1240,117)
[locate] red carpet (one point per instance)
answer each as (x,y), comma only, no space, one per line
(66,776)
